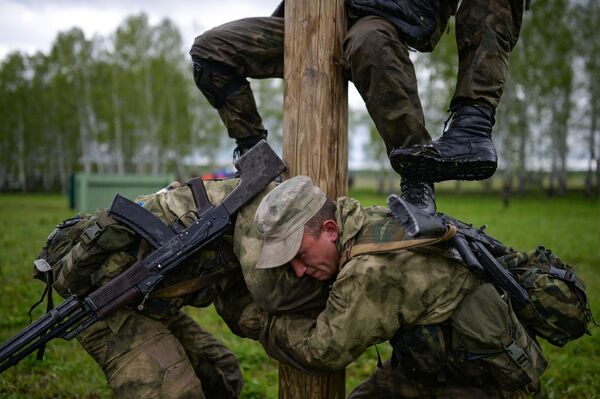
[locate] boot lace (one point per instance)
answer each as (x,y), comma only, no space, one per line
(415,192)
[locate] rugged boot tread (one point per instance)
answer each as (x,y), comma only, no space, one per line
(436,169)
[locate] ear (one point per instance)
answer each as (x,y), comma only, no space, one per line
(330,229)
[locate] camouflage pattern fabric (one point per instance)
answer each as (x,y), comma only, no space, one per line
(375,58)
(306,296)
(377,296)
(371,298)
(486,33)
(559,310)
(489,345)
(176,206)
(281,216)
(251,47)
(160,352)
(76,252)
(143,357)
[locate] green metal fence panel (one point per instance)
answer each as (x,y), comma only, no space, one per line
(91,191)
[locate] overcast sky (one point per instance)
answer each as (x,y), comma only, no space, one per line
(31,25)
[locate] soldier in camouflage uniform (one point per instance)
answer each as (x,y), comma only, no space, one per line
(427,305)
(375,58)
(158,351)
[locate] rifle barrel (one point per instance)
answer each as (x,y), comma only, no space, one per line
(68,315)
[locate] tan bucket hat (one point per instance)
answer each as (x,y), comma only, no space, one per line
(281,216)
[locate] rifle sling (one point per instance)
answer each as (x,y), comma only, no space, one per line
(375,248)
(189,286)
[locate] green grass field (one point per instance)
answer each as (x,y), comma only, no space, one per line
(569,226)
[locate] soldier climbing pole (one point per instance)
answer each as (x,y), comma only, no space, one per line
(315,133)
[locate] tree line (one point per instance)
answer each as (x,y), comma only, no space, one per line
(127,103)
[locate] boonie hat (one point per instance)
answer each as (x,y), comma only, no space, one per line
(281,216)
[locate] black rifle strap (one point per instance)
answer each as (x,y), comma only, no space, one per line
(140,220)
(198,190)
(49,307)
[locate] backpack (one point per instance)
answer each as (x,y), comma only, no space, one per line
(78,247)
(559,311)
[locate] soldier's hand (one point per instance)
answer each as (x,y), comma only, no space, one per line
(252,320)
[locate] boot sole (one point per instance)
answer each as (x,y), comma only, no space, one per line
(436,170)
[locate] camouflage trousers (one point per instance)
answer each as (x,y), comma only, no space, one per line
(169,358)
(375,58)
(389,383)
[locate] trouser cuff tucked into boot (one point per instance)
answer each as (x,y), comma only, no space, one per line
(244,144)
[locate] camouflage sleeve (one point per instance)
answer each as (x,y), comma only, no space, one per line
(232,300)
(372,297)
(360,312)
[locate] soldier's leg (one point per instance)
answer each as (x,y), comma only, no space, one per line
(216,366)
(141,358)
(389,383)
(222,59)
(376,60)
(486,33)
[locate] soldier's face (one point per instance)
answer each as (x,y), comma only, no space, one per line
(318,257)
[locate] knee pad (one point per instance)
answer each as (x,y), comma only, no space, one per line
(203,76)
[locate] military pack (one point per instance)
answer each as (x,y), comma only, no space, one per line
(559,309)
(88,250)
(78,247)
(486,339)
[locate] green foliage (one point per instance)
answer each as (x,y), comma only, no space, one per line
(569,226)
(127,102)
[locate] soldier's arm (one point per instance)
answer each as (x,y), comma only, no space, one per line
(373,296)
(360,312)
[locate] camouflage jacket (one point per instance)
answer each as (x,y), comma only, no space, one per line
(228,292)
(371,298)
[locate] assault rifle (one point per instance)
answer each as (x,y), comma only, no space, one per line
(477,250)
(257,168)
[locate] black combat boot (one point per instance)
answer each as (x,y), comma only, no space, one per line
(420,194)
(244,144)
(464,152)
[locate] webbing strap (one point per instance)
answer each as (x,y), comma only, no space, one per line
(188,286)
(374,248)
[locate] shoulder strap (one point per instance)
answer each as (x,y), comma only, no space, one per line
(374,248)
(189,286)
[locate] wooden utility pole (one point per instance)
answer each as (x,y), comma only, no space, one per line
(315,133)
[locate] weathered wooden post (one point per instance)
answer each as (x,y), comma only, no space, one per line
(315,133)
